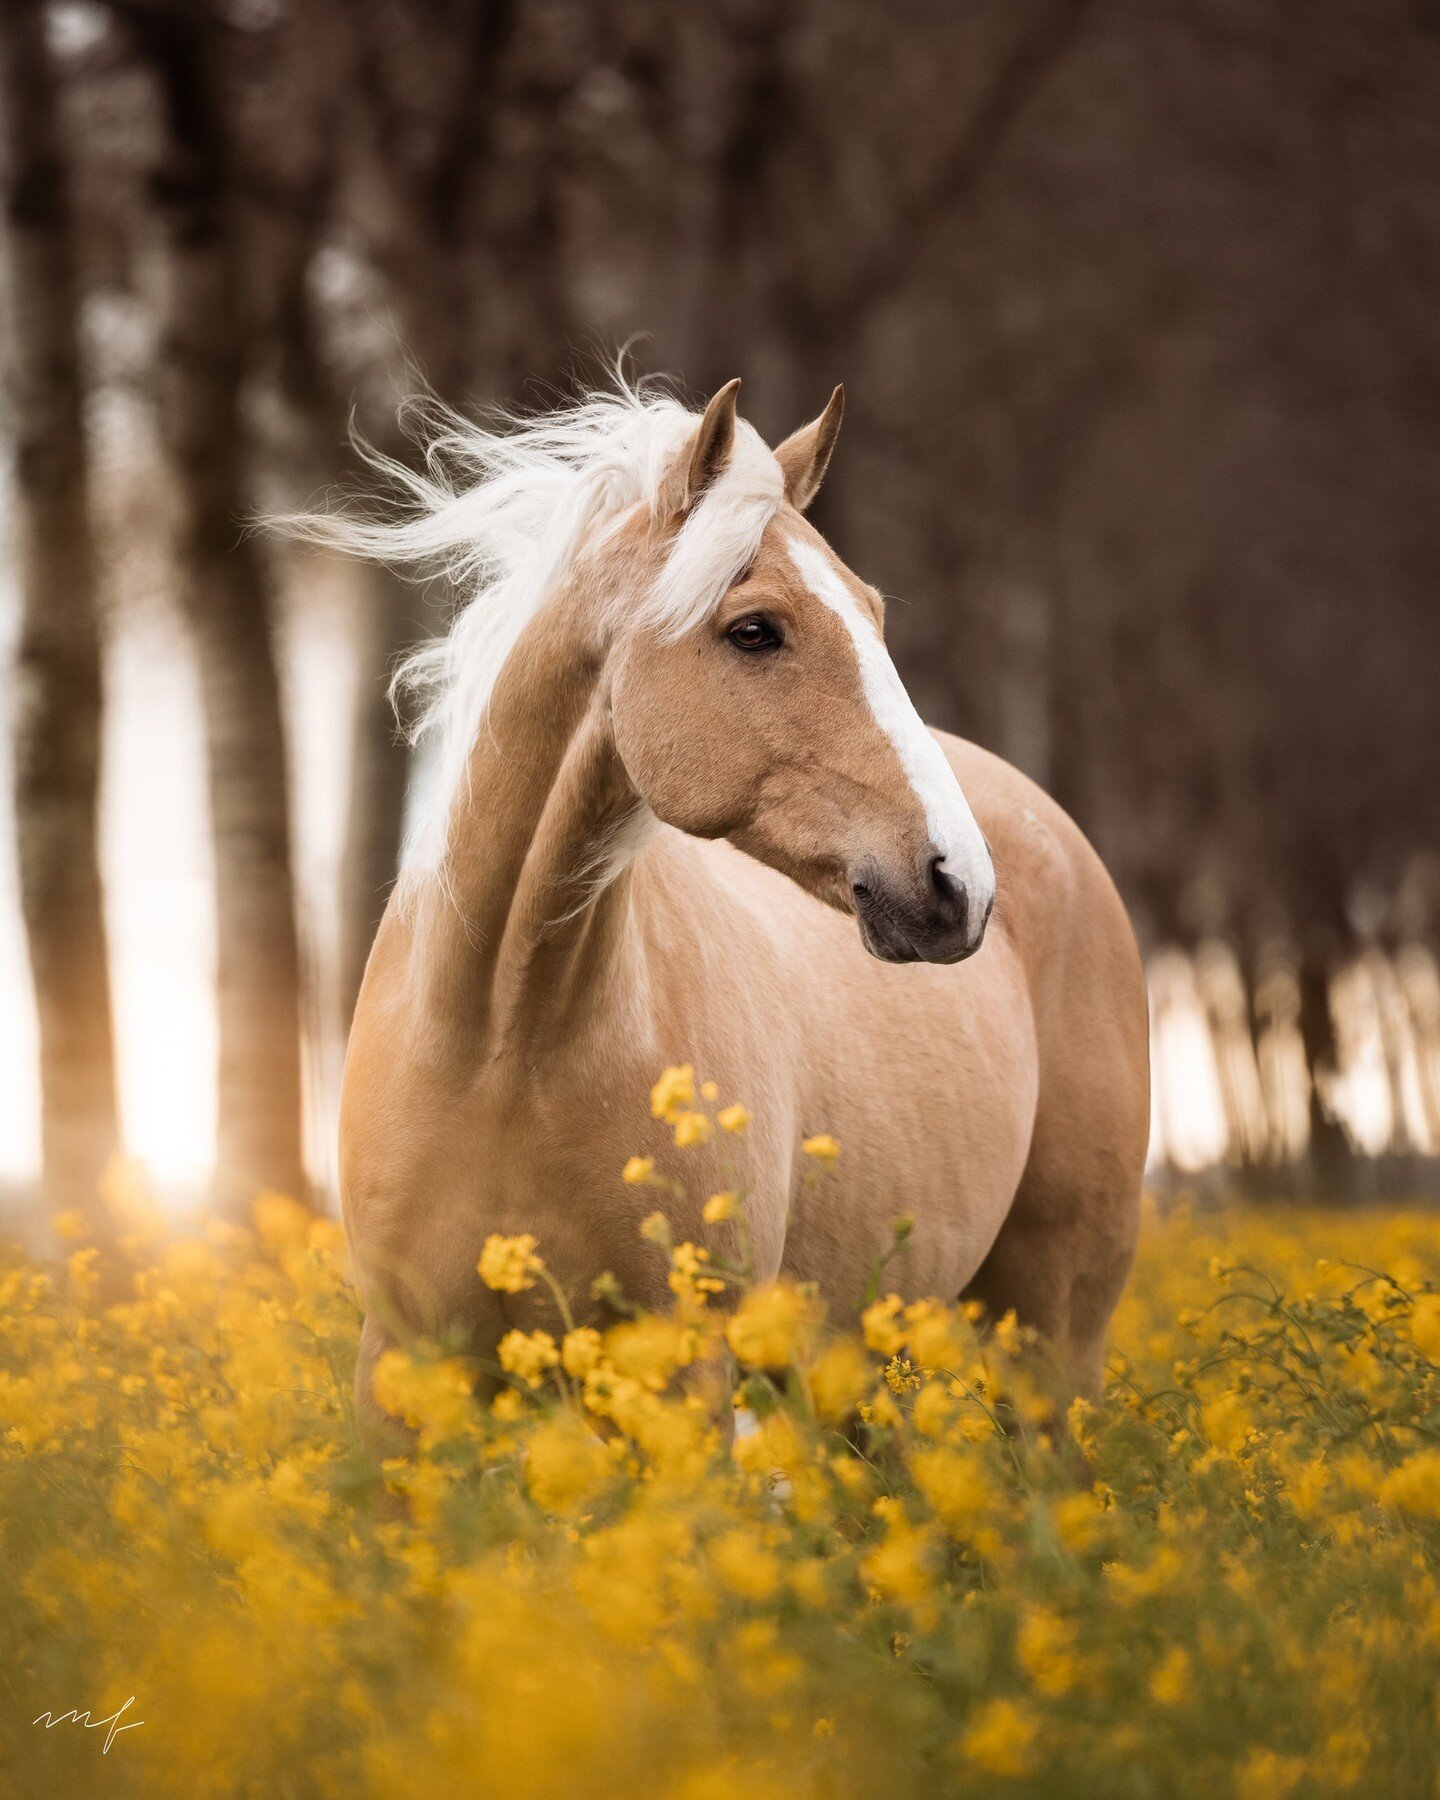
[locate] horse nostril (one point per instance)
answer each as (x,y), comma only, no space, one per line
(953,895)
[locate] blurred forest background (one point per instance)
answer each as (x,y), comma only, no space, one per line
(1138,312)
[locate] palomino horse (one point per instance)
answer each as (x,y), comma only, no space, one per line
(677,768)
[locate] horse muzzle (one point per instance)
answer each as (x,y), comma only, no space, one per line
(931,917)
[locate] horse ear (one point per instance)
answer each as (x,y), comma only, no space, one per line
(709,451)
(805,455)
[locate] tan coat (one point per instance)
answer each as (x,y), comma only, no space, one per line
(760,797)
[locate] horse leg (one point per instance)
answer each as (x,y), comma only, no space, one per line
(459,1315)
(1063,1256)
(380,1433)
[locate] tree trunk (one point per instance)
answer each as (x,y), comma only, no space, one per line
(58,678)
(379,780)
(229,607)
(1333,1165)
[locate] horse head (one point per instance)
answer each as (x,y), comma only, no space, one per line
(754,698)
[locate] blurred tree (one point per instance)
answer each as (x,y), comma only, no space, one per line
(58,673)
(223,577)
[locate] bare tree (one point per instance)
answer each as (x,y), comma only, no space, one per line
(228,602)
(59,685)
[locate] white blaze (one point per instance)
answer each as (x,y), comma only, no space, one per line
(953,831)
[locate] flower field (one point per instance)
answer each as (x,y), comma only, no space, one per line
(904,1579)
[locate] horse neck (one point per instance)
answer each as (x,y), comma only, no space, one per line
(522,930)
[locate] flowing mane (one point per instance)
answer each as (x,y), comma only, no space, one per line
(502,511)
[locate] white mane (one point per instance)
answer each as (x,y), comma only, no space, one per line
(503,513)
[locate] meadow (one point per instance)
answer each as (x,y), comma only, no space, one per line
(910,1575)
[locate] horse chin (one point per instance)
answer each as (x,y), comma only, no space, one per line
(885,942)
(894,940)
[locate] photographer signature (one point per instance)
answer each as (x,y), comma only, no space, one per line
(74,1717)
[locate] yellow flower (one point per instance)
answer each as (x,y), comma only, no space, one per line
(933,1337)
(902,1377)
(1267,1775)
(1000,1738)
(933,1410)
(649,1350)
(745,1566)
(1170,1680)
(527,1355)
(823,1148)
(899,1568)
(691,1128)
(673,1092)
(881,1323)
(718,1208)
(580,1351)
(733,1118)
(639,1171)
(771,1326)
(433,1395)
(1424,1325)
(69,1225)
(689,1276)
(839,1381)
(83,1268)
(955,1484)
(1415,1486)
(1045,1649)
(509,1264)
(655,1229)
(566,1465)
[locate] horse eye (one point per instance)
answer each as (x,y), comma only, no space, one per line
(754,633)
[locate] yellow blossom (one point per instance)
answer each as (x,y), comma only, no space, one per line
(955,1484)
(772,1325)
(882,1323)
(1267,1775)
(1170,1679)
(566,1465)
(823,1148)
(745,1565)
(690,1277)
(639,1171)
(733,1118)
(900,1567)
(1425,1325)
(691,1128)
(430,1394)
(1415,1486)
(509,1264)
(527,1355)
(718,1208)
(1045,1649)
(580,1351)
(1000,1738)
(839,1380)
(673,1092)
